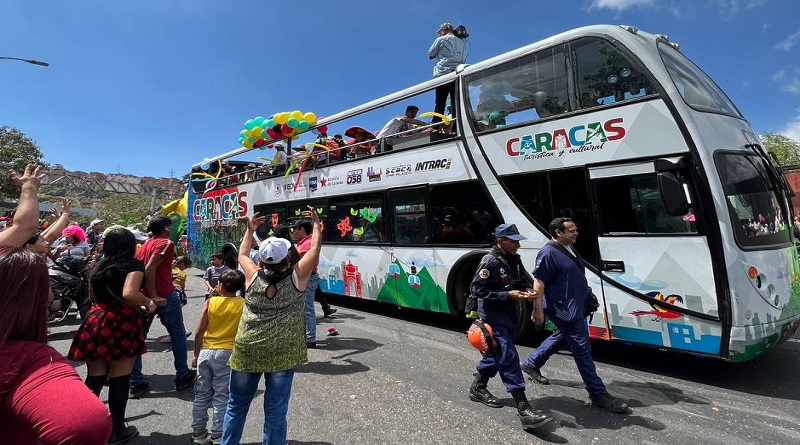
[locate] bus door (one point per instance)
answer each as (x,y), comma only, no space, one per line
(655,267)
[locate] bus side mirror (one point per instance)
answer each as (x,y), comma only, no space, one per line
(672,194)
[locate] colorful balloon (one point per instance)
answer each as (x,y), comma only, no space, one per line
(296,114)
(259,121)
(323,129)
(302,125)
(310,118)
(292,122)
(248,143)
(285,129)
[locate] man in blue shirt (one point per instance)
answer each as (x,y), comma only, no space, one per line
(559,275)
(449,52)
(499,283)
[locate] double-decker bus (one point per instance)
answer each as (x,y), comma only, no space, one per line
(684,221)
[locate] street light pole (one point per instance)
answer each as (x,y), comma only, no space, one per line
(31,61)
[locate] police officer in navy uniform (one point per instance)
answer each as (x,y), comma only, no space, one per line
(498,283)
(559,276)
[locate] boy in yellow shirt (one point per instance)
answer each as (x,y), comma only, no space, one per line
(213,344)
(179,276)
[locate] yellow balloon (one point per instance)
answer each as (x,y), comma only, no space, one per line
(310,118)
(294,138)
(256,132)
(297,115)
(445,119)
(281,118)
(247,143)
(312,144)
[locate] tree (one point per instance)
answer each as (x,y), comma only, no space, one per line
(124,209)
(16,150)
(786,150)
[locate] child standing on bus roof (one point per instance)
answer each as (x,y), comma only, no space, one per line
(213,344)
(211,277)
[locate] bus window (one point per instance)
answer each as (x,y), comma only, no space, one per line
(462,214)
(696,88)
(410,217)
(276,215)
(529,88)
(296,213)
(752,201)
(643,212)
(357,220)
(549,195)
(605,75)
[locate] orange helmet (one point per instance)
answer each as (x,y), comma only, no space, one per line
(480,336)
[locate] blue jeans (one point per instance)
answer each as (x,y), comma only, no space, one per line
(276,404)
(572,335)
(311,316)
(211,390)
(171,317)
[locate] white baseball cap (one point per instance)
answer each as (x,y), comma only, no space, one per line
(273,250)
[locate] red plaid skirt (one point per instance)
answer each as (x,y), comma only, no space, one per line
(110,332)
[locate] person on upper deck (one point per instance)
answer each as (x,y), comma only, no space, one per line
(449,50)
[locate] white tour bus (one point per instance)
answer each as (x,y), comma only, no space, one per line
(684,222)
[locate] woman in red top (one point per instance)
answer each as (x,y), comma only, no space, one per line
(35,380)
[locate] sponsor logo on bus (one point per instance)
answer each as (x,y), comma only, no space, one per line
(437,164)
(354,176)
(330,181)
(312,183)
(577,139)
(374,175)
(398,170)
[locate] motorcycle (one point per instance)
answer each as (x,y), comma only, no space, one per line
(70,284)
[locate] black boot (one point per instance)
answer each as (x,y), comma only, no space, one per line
(479,393)
(529,417)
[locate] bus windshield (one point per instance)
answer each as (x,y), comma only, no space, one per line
(696,88)
(752,200)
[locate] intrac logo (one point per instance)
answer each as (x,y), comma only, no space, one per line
(578,138)
(437,164)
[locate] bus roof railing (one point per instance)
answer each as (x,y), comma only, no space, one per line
(369,106)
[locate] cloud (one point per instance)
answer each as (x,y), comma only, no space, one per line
(789,42)
(789,78)
(619,5)
(792,130)
(732,7)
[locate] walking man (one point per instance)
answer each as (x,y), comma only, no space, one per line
(157,254)
(498,283)
(559,276)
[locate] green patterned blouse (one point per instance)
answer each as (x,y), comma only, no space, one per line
(271,335)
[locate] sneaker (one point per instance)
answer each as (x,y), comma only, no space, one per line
(123,436)
(201,438)
(186,381)
(534,374)
(531,418)
(329,312)
(138,391)
(610,403)
(216,440)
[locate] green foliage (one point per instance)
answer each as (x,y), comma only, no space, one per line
(16,151)
(123,209)
(786,150)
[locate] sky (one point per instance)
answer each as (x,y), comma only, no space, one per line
(151,87)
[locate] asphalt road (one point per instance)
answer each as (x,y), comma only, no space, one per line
(401,377)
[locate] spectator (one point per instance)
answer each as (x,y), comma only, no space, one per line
(213,344)
(25,219)
(449,51)
(280,159)
(157,254)
(94,232)
(269,341)
(74,244)
(360,137)
(112,336)
(400,124)
(213,272)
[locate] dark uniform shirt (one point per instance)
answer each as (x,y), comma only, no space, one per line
(566,291)
(498,273)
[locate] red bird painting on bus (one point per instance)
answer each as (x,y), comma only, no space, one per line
(661,311)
